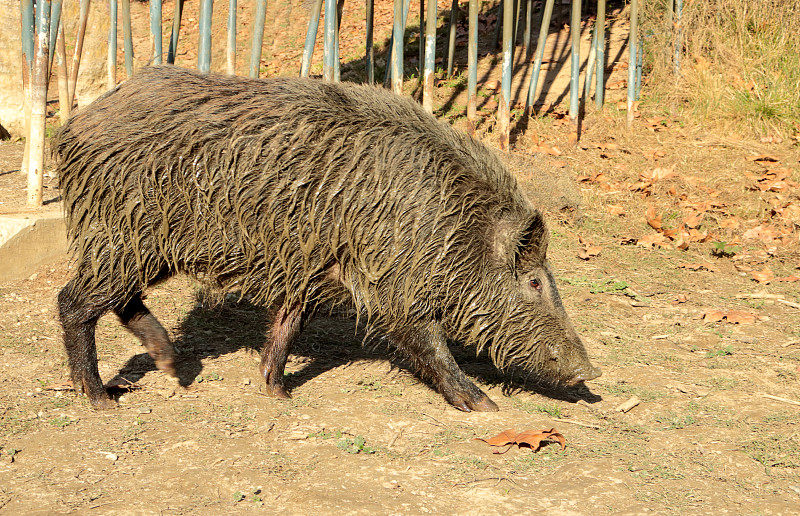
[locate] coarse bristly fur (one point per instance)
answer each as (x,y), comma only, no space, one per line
(297,192)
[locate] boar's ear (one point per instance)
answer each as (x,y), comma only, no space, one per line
(533,241)
(521,242)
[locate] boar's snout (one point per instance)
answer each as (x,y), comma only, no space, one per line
(585,376)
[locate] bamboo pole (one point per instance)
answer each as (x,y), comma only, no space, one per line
(336,60)
(504,112)
(311,37)
(76,56)
(258,37)
(498,24)
(155,31)
(369,58)
(388,75)
(421,57)
(544,28)
(600,84)
(472,67)
(176,28)
(27,31)
(575,61)
(526,37)
(127,37)
(64,109)
(204,43)
(55,21)
(590,64)
(112,44)
(451,41)
(329,39)
(430,56)
(230,53)
(38,105)
(397,47)
(678,35)
(633,43)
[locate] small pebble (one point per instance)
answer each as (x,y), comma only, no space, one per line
(144,410)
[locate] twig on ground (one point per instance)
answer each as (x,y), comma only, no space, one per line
(437,421)
(783,400)
(579,423)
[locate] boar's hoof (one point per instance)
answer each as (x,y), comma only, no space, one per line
(479,403)
(103,403)
(277,391)
(167,365)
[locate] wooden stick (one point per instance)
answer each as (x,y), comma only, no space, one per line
(783,400)
(572,422)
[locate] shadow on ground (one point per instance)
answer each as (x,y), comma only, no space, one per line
(331,340)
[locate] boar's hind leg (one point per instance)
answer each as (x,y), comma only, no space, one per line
(138,319)
(78,319)
(427,349)
(285,329)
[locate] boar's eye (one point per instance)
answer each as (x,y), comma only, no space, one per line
(535,284)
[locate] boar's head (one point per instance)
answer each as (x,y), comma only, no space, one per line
(529,327)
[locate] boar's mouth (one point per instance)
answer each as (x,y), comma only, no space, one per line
(585,376)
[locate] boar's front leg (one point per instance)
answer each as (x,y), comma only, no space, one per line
(426,347)
(284,333)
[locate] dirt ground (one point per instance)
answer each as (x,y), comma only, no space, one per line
(676,252)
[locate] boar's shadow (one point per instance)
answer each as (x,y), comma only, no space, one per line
(332,339)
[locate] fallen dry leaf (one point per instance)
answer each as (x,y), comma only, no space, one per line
(765,275)
(615,209)
(740,317)
(731,316)
(762,158)
(590,250)
(788,278)
(653,220)
(529,438)
(680,298)
(694,221)
(653,240)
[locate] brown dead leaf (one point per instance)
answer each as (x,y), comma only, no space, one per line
(653,220)
(530,438)
(680,298)
(656,239)
(765,275)
(731,316)
(492,85)
(713,316)
(694,221)
(617,85)
(762,159)
(788,278)
(731,223)
(701,63)
(740,317)
(558,163)
(547,149)
(655,155)
(615,209)
(587,252)
(596,178)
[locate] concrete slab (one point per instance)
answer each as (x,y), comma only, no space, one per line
(28,241)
